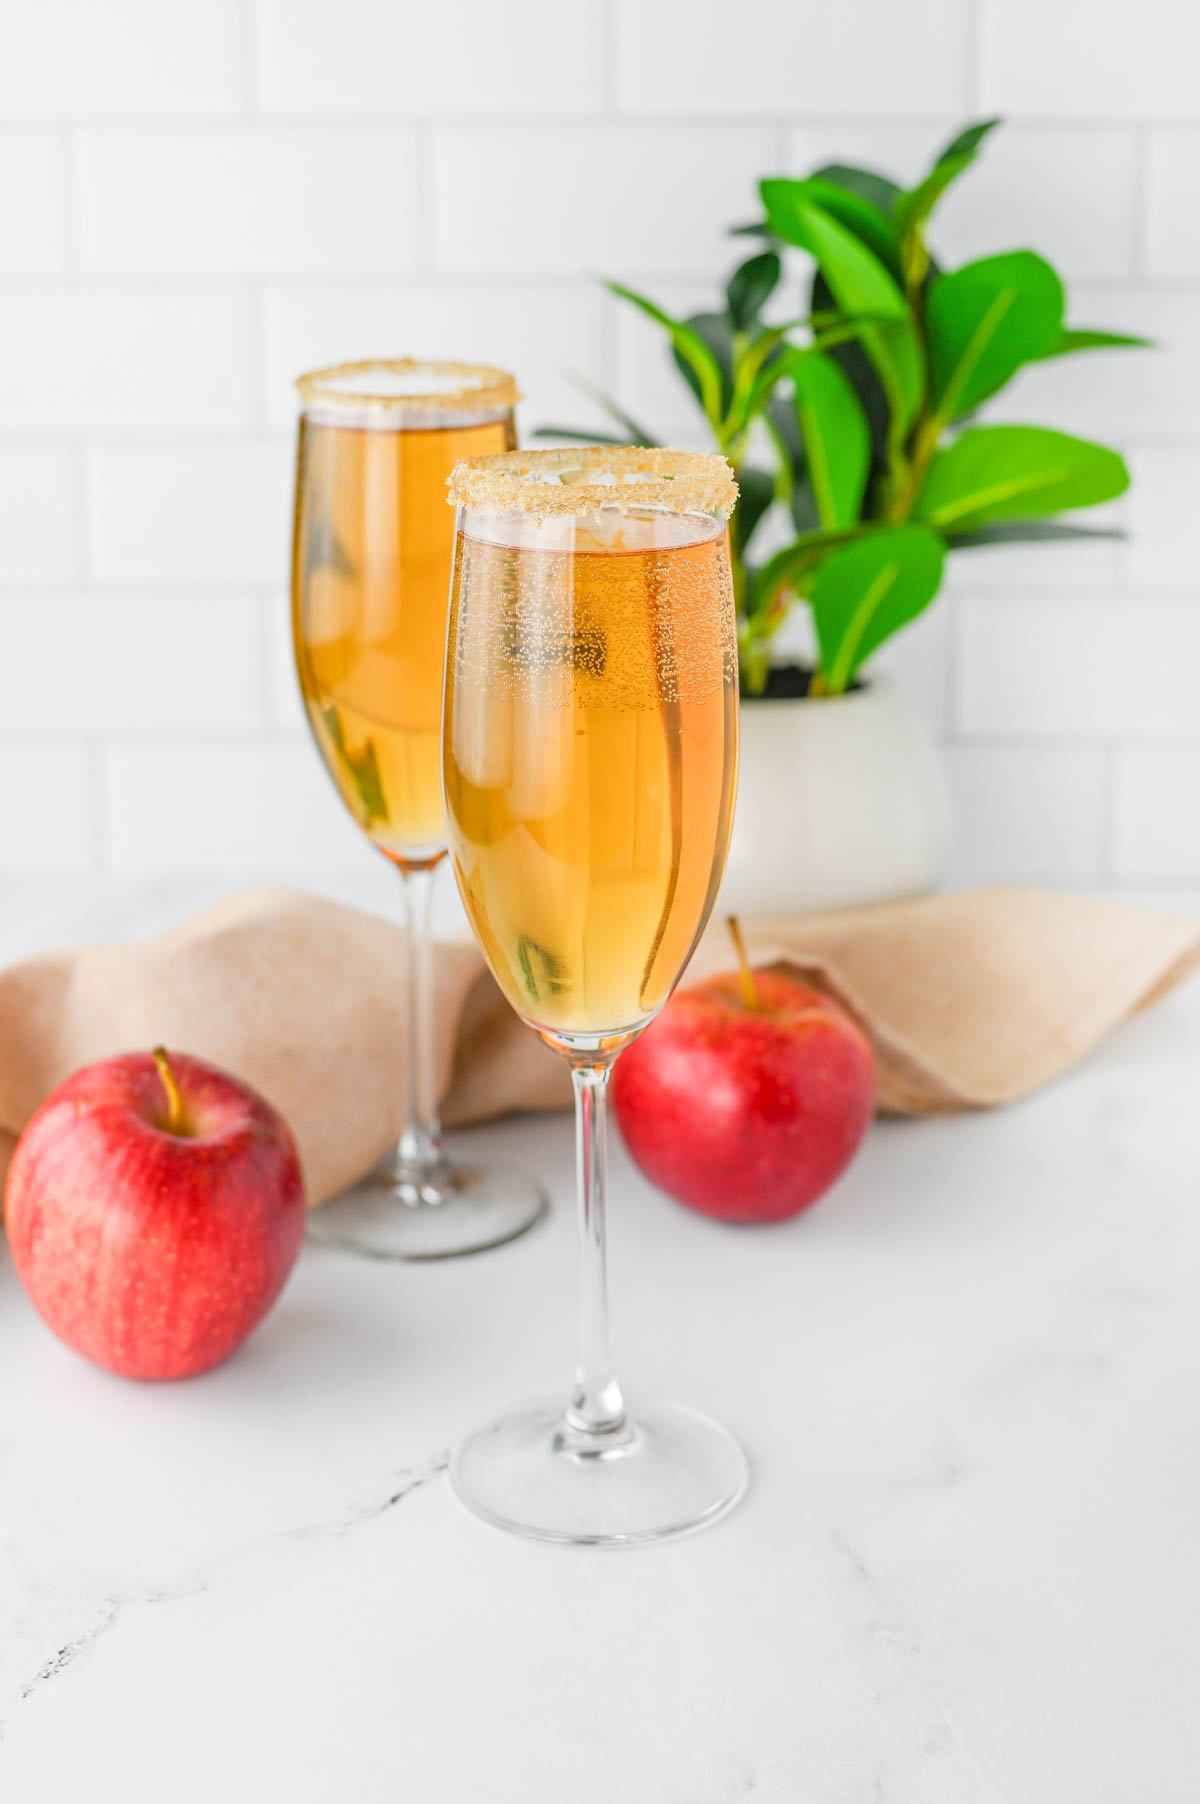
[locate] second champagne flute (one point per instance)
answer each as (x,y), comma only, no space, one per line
(590,747)
(370,580)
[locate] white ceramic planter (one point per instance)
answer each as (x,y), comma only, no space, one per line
(840,801)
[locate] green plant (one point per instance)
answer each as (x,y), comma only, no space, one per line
(863,429)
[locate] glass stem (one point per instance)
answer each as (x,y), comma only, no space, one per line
(420,1148)
(597,1407)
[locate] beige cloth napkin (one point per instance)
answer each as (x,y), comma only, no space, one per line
(969,1000)
(975,999)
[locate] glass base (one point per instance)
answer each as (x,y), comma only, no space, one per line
(399,1213)
(665,1471)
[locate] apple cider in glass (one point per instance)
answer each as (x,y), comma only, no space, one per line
(371,556)
(590,756)
(371,574)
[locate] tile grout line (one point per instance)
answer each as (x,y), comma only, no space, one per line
(973,47)
(951,680)
(188,284)
(1142,203)
(256,351)
(425,176)
(1043,741)
(237,433)
(68,200)
(81,549)
(251,61)
(851,119)
(98,777)
(189,281)
(268,602)
(610,346)
(119,736)
(1040,740)
(1110,820)
(610,27)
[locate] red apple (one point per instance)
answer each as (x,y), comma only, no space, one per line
(747,1097)
(155,1208)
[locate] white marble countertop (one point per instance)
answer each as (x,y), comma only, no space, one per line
(968,1571)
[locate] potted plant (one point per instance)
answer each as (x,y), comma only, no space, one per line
(856,425)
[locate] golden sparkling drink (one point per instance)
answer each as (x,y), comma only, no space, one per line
(371,575)
(590,757)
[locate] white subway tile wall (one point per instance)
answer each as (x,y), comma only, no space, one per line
(568,200)
(33,241)
(121,59)
(1173,243)
(38,533)
(550,334)
(1088,59)
(765,57)
(1078,667)
(198,201)
(270,200)
(194,515)
(377,58)
(1017,809)
(135,664)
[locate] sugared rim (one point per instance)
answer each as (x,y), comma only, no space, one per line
(555,483)
(409,385)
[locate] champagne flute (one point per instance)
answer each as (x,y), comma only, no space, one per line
(590,755)
(370,578)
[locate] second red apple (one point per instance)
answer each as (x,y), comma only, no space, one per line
(747,1097)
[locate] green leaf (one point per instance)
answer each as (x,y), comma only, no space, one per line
(859,281)
(784,568)
(837,439)
(323,550)
(752,396)
(802,505)
(984,321)
(782,424)
(1013,473)
(859,284)
(635,434)
(755,370)
(864,592)
(968,141)
(867,183)
(860,216)
(914,208)
(542,971)
(687,344)
(756,492)
(1009,532)
(632,433)
(717,333)
(791,482)
(1080,338)
(750,287)
(362,768)
(863,377)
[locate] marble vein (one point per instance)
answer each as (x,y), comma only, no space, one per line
(112,1608)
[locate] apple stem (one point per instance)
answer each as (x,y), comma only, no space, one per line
(174,1100)
(749,989)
